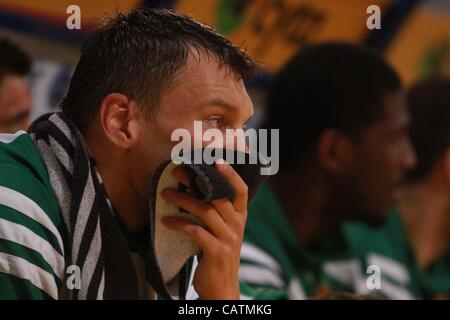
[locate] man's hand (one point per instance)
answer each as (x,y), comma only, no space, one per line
(216,276)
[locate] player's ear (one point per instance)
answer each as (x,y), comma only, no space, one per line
(334,151)
(120,120)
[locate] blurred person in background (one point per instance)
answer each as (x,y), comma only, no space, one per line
(15,93)
(344,148)
(412,249)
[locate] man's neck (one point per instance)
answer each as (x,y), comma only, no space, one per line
(425,212)
(302,201)
(129,206)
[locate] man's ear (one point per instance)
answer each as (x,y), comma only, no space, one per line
(119,118)
(334,151)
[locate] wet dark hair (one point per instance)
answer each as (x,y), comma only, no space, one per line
(137,54)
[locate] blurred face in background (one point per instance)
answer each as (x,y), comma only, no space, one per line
(381,155)
(15,103)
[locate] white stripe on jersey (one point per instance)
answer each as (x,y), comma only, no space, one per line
(258,275)
(255,255)
(8,138)
(22,235)
(19,202)
(21,268)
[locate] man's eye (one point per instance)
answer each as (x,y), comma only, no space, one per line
(216,122)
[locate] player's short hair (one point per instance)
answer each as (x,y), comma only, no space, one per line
(332,85)
(137,54)
(13,59)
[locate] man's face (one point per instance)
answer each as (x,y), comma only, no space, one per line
(383,153)
(15,104)
(203,90)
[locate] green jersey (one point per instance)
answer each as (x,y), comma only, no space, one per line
(31,247)
(275,265)
(32,258)
(388,250)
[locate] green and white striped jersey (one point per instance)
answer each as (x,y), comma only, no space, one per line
(32,264)
(389,251)
(274,265)
(31,247)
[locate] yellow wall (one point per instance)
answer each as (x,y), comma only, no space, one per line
(423,32)
(341,20)
(90,9)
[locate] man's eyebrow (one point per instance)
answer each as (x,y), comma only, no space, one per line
(223,104)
